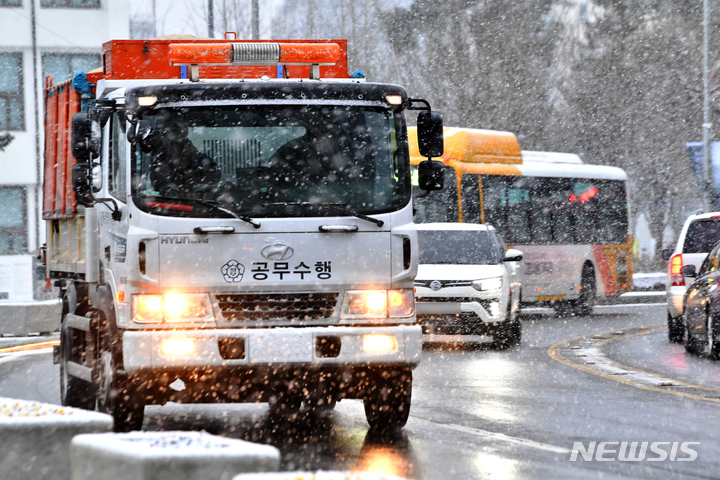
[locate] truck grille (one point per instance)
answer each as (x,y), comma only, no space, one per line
(287,306)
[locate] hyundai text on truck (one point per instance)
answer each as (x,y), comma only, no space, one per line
(231,221)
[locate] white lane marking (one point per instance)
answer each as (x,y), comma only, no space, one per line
(496,437)
(13,356)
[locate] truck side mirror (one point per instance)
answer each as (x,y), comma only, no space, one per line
(82,182)
(430,134)
(666,254)
(431,175)
(80,137)
(140,133)
(688,271)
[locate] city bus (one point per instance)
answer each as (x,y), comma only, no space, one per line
(570,219)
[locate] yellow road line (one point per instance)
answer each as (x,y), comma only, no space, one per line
(29,347)
(554,353)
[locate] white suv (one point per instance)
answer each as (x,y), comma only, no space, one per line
(466,282)
(696,239)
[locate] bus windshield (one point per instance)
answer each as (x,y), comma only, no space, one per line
(271,161)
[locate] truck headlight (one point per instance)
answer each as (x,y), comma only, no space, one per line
(379,303)
(365,303)
(488,284)
(172,308)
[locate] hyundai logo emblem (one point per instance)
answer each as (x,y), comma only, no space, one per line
(277,251)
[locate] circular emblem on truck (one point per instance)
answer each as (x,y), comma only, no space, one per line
(233,271)
(435,285)
(277,251)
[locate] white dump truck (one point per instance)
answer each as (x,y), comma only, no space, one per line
(230,221)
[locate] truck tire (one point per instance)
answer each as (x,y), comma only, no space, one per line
(74,392)
(387,399)
(116,394)
(675,329)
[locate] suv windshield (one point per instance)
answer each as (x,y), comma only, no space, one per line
(267,161)
(457,247)
(701,236)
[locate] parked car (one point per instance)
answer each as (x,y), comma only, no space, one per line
(702,306)
(466,282)
(697,237)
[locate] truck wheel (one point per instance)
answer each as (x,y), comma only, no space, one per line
(675,329)
(285,401)
(387,401)
(115,393)
(74,392)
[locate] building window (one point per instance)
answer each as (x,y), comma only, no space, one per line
(62,66)
(13,232)
(11,92)
(10,3)
(70,3)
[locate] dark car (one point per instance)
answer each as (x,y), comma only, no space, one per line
(702,306)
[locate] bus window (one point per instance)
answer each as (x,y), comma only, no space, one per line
(601,212)
(437,205)
(470,185)
(546,211)
(506,202)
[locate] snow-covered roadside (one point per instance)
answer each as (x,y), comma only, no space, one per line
(35,438)
(176,455)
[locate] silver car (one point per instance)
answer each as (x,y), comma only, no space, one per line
(697,237)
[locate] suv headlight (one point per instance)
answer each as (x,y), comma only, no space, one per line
(172,308)
(488,284)
(379,303)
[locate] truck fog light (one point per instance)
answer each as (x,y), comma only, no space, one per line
(494,309)
(178,346)
(379,343)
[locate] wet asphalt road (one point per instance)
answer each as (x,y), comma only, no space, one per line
(482,413)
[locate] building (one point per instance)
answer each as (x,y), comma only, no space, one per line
(38,38)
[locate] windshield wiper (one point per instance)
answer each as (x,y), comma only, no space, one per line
(210,204)
(338,207)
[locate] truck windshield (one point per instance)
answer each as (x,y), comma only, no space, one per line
(260,161)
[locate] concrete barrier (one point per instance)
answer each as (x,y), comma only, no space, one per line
(168,456)
(23,318)
(35,438)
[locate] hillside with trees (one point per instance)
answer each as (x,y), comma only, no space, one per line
(617,82)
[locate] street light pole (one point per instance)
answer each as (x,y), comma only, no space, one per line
(255,20)
(707,165)
(211,20)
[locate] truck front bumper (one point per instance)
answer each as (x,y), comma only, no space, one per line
(307,346)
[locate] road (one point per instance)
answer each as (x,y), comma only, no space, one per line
(483,413)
